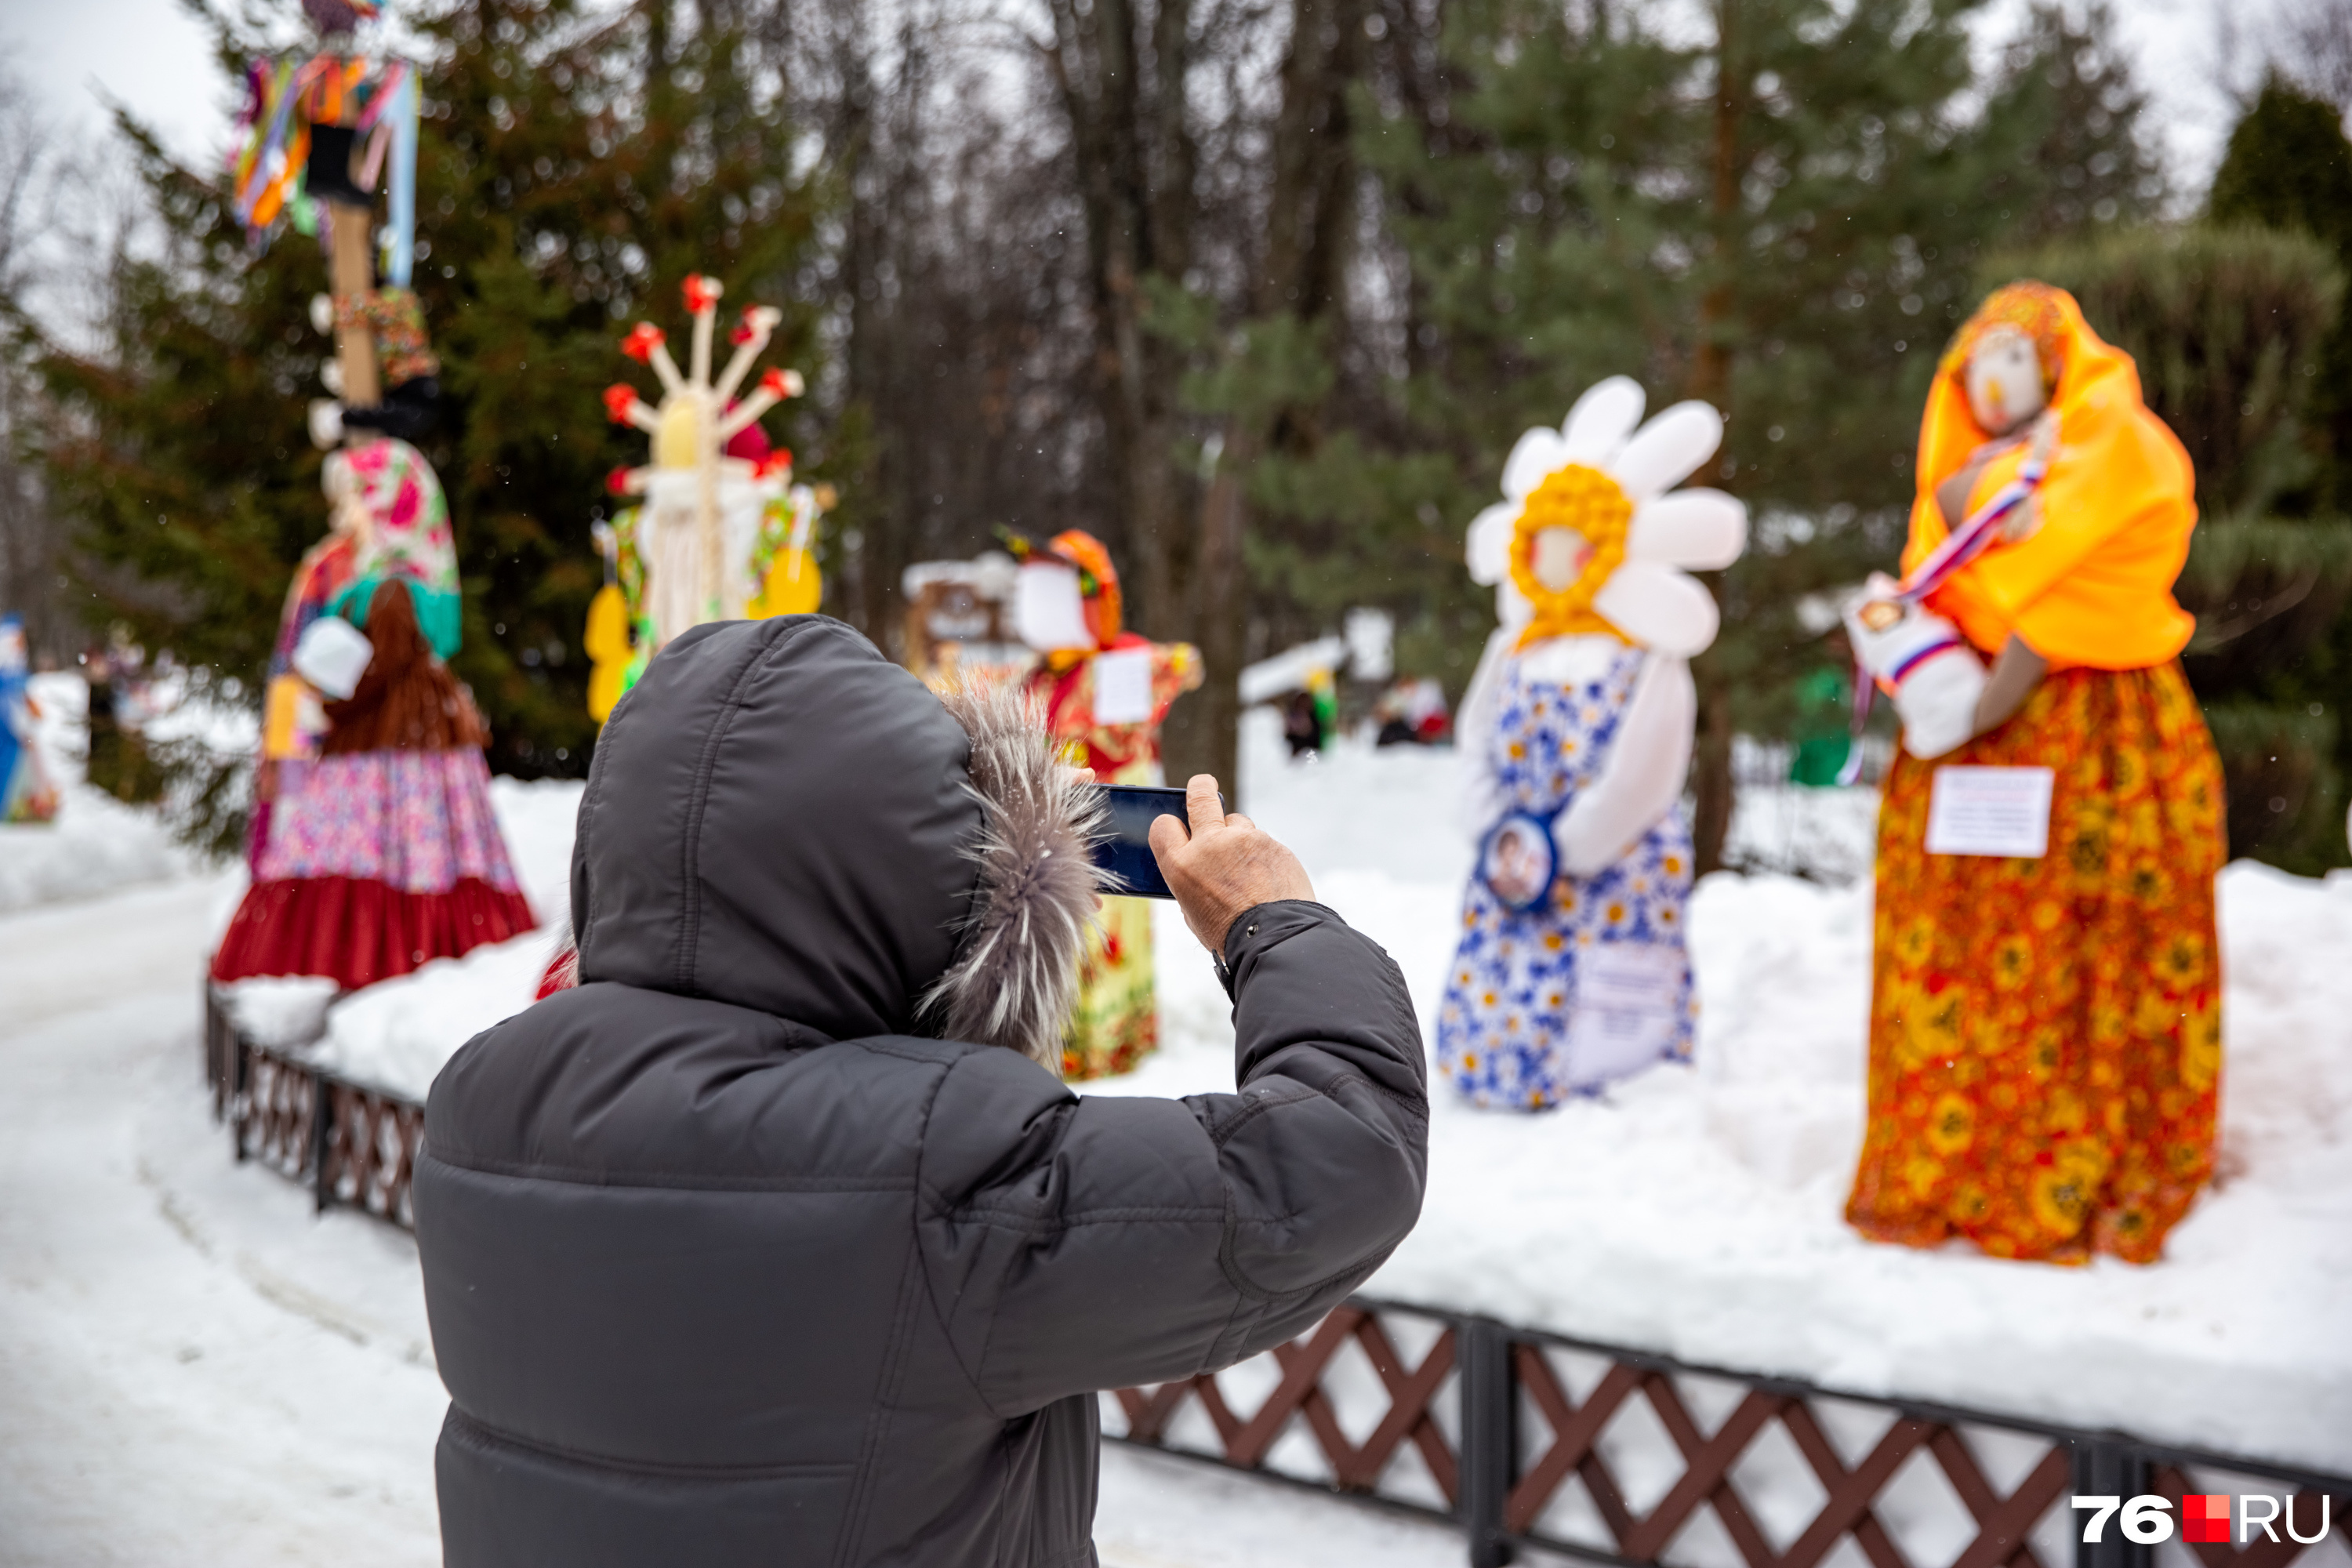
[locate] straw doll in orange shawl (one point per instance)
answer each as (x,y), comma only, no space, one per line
(2045,1028)
(1106,692)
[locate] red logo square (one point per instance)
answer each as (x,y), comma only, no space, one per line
(2205,1517)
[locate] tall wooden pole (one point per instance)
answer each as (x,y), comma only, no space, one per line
(353,276)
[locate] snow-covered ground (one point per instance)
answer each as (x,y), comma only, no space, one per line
(1696,1212)
(196,1370)
(193,1369)
(96,844)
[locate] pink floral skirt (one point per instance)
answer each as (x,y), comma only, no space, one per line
(374,865)
(417,821)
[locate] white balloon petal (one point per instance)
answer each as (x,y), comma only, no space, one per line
(1539,451)
(1667,450)
(1597,429)
(1658,607)
(1512,611)
(1489,550)
(1704,530)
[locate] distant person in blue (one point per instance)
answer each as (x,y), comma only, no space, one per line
(1573,971)
(26,793)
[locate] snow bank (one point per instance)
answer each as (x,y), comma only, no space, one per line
(1697,1211)
(397,1035)
(96,844)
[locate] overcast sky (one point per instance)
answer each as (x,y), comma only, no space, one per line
(149,55)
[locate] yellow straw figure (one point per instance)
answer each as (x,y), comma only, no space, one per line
(723,532)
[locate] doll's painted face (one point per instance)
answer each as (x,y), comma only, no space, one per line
(2004,380)
(1559,556)
(1049,610)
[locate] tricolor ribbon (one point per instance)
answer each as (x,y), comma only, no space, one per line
(1962,545)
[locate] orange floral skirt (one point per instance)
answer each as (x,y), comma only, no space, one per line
(2045,1036)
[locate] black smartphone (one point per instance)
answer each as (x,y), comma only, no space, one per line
(1124,848)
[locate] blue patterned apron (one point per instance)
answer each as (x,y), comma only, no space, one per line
(1510,1032)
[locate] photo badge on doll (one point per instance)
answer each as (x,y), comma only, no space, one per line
(1519,861)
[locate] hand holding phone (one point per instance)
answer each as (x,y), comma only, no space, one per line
(1125,850)
(1218,864)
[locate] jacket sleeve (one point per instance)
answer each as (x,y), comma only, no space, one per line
(1072,1244)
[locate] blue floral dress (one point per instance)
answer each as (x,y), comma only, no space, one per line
(1592,982)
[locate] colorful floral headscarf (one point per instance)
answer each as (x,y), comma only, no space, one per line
(406,534)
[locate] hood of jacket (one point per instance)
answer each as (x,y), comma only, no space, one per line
(780,818)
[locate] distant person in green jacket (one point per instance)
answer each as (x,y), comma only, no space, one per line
(1824,698)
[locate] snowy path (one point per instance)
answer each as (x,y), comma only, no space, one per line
(195,1369)
(169,1394)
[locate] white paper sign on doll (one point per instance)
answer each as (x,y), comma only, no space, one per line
(1628,1007)
(1123,686)
(2001,812)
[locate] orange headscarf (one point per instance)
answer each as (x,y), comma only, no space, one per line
(1098,581)
(2092,586)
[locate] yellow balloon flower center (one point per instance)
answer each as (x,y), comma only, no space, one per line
(1590,504)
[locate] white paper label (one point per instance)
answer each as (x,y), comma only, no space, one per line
(1627,998)
(1991,811)
(1123,686)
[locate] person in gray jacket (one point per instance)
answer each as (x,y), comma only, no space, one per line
(778,1240)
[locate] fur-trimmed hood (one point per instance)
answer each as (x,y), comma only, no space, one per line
(780,819)
(1015,978)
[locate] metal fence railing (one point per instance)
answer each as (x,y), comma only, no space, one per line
(1517,1437)
(353,1145)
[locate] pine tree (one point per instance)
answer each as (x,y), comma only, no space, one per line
(2277,687)
(572,171)
(2224,324)
(1782,217)
(177,446)
(572,187)
(2079,160)
(2289,166)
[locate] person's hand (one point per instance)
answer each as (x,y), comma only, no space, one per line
(1226,867)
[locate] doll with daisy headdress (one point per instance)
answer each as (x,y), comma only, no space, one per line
(1572,971)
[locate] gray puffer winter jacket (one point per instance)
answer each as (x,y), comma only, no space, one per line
(728,1264)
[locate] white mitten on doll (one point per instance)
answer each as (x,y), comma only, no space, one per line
(332,655)
(1935,677)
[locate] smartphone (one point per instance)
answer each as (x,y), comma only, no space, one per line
(1124,848)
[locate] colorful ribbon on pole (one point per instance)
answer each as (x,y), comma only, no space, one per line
(401,243)
(285,99)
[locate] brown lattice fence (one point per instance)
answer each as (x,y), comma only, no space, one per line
(354,1146)
(1524,1440)
(1528,1440)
